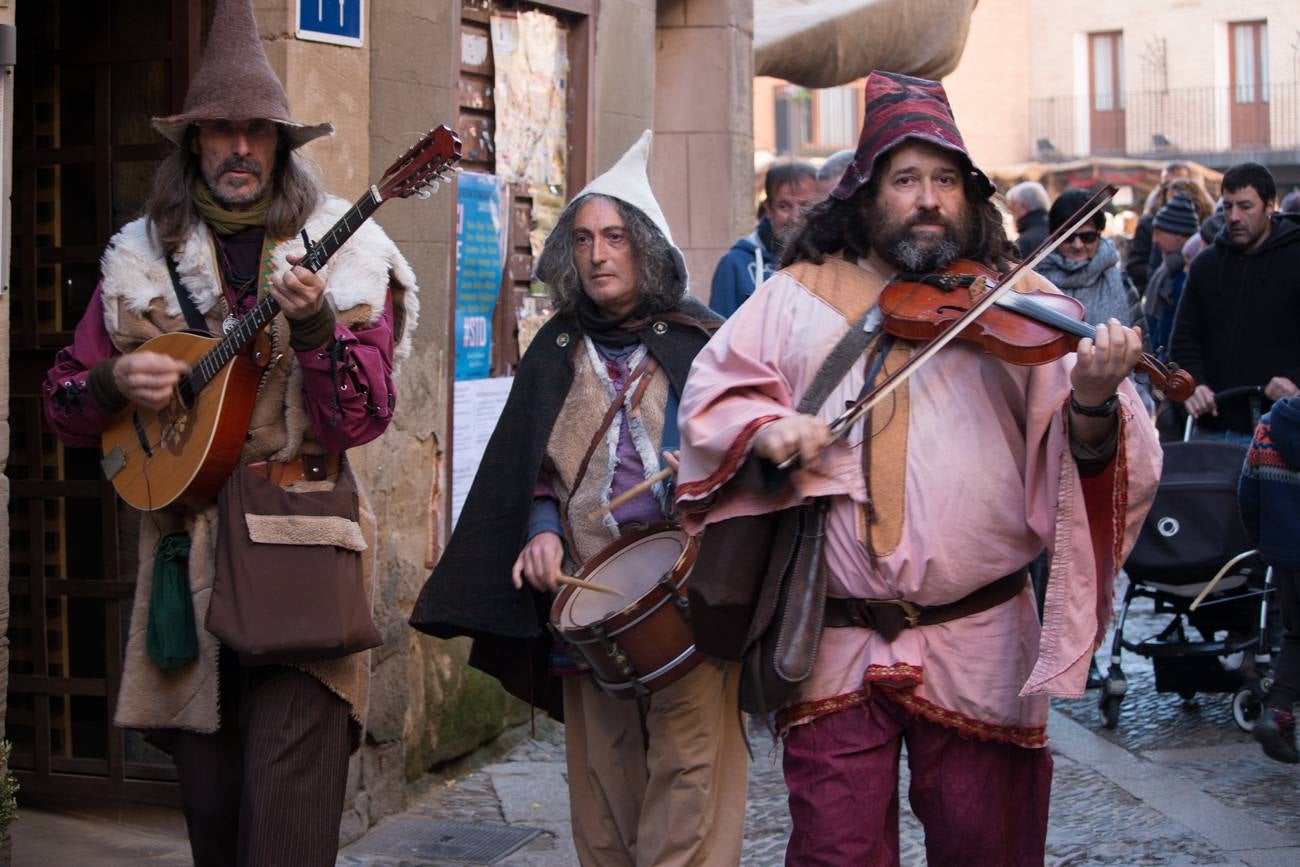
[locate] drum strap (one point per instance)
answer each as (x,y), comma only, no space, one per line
(638,378)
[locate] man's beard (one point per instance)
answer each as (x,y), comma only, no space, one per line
(245,194)
(897,244)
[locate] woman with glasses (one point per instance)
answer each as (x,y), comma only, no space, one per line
(1087,267)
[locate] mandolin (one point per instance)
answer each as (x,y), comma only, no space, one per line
(181,455)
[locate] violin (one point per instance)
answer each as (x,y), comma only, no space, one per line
(1023,328)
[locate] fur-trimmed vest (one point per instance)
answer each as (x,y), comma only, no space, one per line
(588,400)
(139,304)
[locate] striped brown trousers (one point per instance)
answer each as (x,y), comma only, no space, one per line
(266,790)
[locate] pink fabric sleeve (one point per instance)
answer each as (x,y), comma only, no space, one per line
(71,414)
(348,383)
(736,385)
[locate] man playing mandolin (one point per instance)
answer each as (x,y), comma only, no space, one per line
(262,751)
(657,777)
(961,476)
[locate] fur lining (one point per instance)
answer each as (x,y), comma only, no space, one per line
(305,530)
(358,276)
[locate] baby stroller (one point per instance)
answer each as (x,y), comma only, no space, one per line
(1192,533)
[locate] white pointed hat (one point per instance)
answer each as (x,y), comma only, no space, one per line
(629,181)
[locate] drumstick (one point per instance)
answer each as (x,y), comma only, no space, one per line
(586,585)
(635,490)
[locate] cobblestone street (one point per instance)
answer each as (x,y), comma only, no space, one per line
(1174,784)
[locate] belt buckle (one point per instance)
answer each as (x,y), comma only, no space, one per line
(910,612)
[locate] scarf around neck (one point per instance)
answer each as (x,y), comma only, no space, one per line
(224,221)
(615,331)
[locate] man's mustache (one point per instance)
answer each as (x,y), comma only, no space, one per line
(239,164)
(933,218)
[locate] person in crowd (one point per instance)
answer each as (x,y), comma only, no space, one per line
(936,503)
(1291,203)
(1028,202)
(830,172)
(787,189)
(1174,226)
(1239,313)
(1142,257)
(262,751)
(659,780)
(1269,496)
(1086,267)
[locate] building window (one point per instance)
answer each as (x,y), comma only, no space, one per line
(837,117)
(1248,56)
(794,119)
(1106,92)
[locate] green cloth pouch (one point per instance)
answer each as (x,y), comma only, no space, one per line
(171,638)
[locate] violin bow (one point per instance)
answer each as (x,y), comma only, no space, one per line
(843,422)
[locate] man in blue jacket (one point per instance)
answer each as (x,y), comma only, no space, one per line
(788,188)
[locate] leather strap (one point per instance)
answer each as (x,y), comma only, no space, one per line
(193,318)
(643,371)
(891,616)
(311,468)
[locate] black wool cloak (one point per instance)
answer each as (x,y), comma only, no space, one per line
(470,591)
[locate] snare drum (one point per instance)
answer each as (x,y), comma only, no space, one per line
(641,641)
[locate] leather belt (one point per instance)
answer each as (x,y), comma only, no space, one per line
(311,468)
(891,616)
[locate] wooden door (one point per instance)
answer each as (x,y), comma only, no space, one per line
(1248,60)
(1106,92)
(89,77)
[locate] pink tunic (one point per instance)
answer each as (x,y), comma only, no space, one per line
(989,482)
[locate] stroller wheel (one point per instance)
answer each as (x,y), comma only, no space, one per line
(1110,710)
(1246,704)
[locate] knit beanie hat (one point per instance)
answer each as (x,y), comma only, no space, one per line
(628,181)
(1178,216)
(900,107)
(235,82)
(1065,206)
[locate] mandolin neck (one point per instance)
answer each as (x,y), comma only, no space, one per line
(318,253)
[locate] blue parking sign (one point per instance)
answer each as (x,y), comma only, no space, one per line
(337,21)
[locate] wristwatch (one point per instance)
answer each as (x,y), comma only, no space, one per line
(1105,409)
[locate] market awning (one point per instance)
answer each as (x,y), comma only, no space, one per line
(824,43)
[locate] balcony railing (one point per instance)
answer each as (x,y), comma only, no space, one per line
(1161,124)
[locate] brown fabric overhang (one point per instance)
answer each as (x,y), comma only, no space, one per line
(824,43)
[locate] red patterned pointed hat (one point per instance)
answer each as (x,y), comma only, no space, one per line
(901,107)
(235,81)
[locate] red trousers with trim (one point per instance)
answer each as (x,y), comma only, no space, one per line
(981,803)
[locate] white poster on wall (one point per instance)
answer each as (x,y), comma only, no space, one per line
(476,407)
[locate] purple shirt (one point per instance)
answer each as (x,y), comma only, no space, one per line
(365,395)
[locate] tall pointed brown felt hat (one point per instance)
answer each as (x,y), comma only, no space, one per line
(235,81)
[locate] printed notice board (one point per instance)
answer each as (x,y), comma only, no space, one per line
(480,258)
(336,21)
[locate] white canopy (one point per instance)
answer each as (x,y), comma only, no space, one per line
(824,43)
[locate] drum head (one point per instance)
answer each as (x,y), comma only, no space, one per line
(631,566)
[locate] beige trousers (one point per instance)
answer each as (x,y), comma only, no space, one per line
(659,783)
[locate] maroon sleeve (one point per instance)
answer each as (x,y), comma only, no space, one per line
(70,411)
(348,383)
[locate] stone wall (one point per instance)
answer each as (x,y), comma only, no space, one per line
(703,161)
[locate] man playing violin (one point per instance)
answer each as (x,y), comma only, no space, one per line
(654,779)
(937,500)
(262,751)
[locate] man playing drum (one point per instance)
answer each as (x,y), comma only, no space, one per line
(962,475)
(659,779)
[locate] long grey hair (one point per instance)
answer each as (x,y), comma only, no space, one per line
(660,269)
(296,191)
